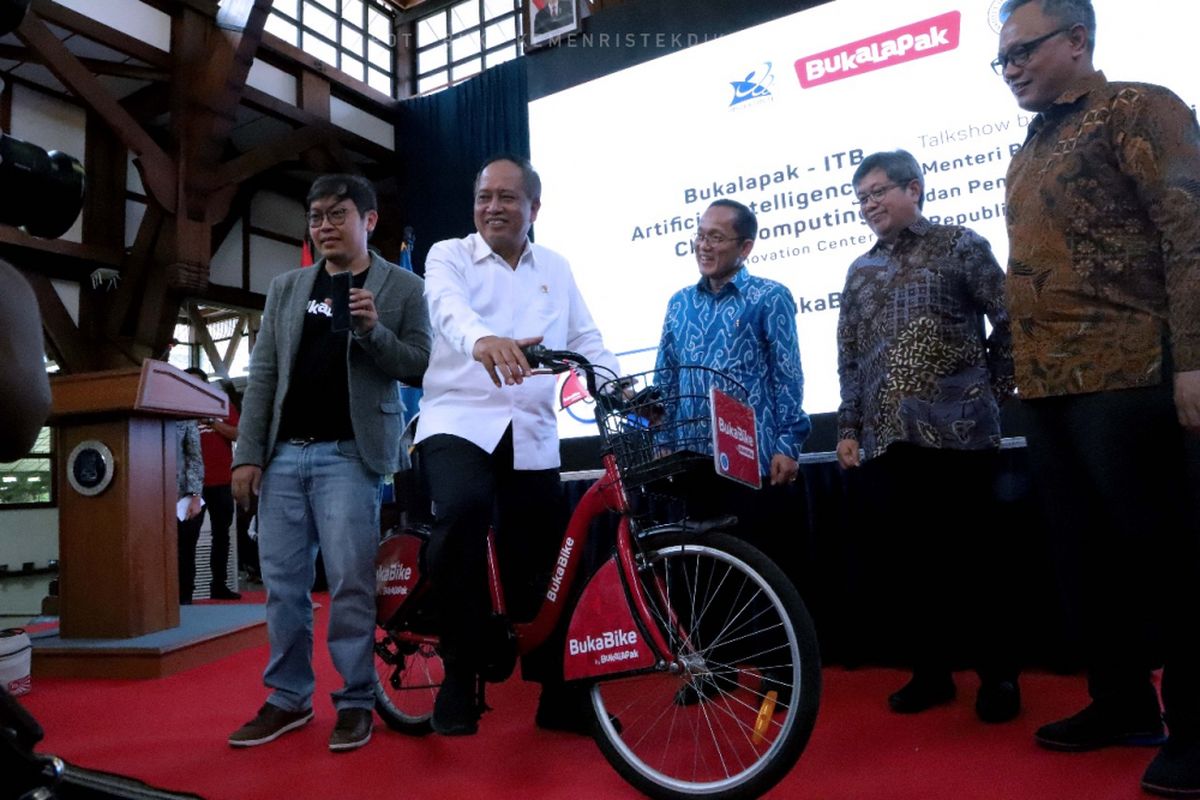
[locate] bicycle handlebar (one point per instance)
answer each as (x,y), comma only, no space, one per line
(556,361)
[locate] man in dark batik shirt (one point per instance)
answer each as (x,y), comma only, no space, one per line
(1104,294)
(921,386)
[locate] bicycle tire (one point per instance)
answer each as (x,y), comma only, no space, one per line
(407,679)
(708,726)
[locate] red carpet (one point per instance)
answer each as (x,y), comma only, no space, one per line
(171,732)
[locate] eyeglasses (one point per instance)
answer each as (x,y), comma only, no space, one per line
(336,217)
(875,194)
(715,239)
(1018,55)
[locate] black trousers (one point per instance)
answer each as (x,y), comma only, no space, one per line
(247,547)
(935,516)
(1118,480)
(472,490)
(189,534)
(218,503)
(774,519)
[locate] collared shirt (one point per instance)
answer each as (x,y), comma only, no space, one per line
(472,293)
(1104,230)
(913,362)
(748,330)
(218,451)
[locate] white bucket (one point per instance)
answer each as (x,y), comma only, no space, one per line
(16,653)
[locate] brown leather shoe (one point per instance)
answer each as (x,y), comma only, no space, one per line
(271,723)
(352,731)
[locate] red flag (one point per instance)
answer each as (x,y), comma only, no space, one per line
(306,255)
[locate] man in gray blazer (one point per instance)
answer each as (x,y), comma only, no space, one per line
(320,428)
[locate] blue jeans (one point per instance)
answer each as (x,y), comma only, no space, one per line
(319,493)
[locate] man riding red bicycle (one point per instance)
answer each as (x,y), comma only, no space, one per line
(488,439)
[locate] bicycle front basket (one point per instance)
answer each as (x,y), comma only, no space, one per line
(665,429)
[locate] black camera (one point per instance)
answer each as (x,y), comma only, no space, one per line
(43,192)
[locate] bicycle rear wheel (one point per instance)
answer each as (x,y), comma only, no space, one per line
(407,678)
(733,713)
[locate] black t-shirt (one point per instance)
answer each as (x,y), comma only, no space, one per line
(317,405)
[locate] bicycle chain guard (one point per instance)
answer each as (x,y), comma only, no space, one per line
(397,572)
(603,637)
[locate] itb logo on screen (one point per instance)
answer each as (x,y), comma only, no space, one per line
(918,40)
(755,86)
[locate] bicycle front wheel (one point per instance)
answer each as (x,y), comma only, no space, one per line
(408,676)
(732,714)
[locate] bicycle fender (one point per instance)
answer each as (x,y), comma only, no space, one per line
(691,526)
(603,638)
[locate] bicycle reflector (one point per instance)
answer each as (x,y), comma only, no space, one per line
(41,192)
(763,721)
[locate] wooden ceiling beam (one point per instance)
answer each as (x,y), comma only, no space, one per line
(290,58)
(149,102)
(73,351)
(158,171)
(239,32)
(99,66)
(206,341)
(134,269)
(277,151)
(75,22)
(56,252)
(174,7)
(280,109)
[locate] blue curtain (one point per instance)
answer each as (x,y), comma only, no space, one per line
(444,139)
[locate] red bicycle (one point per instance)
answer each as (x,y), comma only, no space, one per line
(701,658)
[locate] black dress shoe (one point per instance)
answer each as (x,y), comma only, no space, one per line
(1175,771)
(998,701)
(223,592)
(1097,727)
(565,708)
(921,694)
(456,707)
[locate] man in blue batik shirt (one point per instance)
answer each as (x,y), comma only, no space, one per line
(745,326)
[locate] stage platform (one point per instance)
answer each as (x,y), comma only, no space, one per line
(205,633)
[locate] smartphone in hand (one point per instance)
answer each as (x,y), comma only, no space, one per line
(341,302)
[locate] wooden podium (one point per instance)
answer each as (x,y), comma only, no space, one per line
(117,490)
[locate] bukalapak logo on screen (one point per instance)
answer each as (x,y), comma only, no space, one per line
(917,40)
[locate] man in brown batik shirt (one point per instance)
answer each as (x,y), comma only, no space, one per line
(1104,295)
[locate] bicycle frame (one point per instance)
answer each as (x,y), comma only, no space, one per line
(613,600)
(606,494)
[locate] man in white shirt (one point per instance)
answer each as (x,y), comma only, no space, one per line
(488,436)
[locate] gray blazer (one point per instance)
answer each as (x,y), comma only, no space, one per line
(397,348)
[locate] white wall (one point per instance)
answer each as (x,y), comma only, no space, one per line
(131,17)
(268,258)
(28,535)
(364,124)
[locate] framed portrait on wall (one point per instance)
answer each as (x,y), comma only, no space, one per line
(546,20)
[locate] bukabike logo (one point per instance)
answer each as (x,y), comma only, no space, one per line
(918,40)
